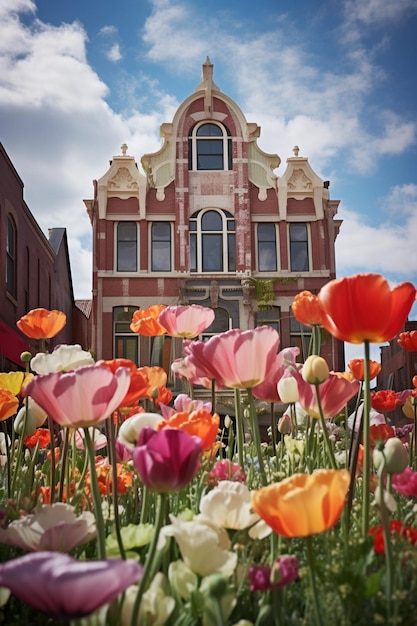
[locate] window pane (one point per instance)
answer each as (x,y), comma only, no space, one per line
(193,253)
(298,232)
(126,257)
(220,323)
(211,221)
(161,231)
(267,256)
(161,256)
(231,249)
(209,130)
(126,231)
(212,253)
(126,348)
(299,248)
(209,162)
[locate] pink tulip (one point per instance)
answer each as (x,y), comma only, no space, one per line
(241,359)
(186,321)
(65,588)
(335,392)
(267,390)
(81,398)
(184,404)
(167,460)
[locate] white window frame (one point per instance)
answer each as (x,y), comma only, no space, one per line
(150,242)
(198,233)
(194,137)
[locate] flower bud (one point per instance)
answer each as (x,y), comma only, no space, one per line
(288,390)
(396,456)
(285,424)
(315,370)
(19,425)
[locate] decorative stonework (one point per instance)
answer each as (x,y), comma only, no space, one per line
(122,180)
(299,181)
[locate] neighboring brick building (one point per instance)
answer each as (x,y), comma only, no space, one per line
(35,273)
(210,223)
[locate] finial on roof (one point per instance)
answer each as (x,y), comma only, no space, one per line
(123,148)
(296,150)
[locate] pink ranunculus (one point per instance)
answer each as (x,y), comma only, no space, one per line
(186,321)
(267,390)
(167,460)
(242,359)
(406,482)
(335,392)
(63,587)
(81,398)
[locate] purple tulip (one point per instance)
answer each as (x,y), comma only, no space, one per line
(167,460)
(63,587)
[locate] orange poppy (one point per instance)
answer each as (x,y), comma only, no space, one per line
(41,436)
(384,400)
(357,367)
(408,340)
(164,396)
(199,423)
(303,504)
(9,404)
(364,308)
(156,377)
(307,309)
(41,323)
(145,321)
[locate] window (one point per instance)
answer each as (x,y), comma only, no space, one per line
(267,248)
(125,341)
(269,317)
(127,247)
(212,242)
(220,324)
(300,337)
(299,247)
(161,247)
(11,256)
(209,148)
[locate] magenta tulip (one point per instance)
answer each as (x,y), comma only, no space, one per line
(335,392)
(81,398)
(65,588)
(167,460)
(186,321)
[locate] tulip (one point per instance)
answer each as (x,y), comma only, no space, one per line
(307,309)
(357,366)
(9,404)
(303,504)
(145,321)
(139,384)
(226,470)
(364,308)
(393,455)
(199,423)
(81,398)
(315,370)
(267,390)
(288,390)
(335,392)
(131,428)
(65,588)
(64,358)
(408,340)
(41,323)
(186,321)
(167,460)
(12,381)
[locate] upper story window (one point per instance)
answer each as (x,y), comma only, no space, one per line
(161,247)
(127,247)
(212,242)
(209,147)
(11,260)
(298,235)
(267,248)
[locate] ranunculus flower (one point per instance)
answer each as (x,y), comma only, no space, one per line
(406,482)
(53,527)
(357,367)
(199,423)
(335,392)
(397,530)
(384,400)
(63,358)
(8,404)
(408,340)
(303,504)
(41,323)
(81,398)
(205,548)
(226,470)
(242,358)
(167,460)
(307,309)
(228,505)
(364,308)
(186,321)
(65,588)
(145,321)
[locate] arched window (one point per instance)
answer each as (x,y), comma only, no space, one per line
(267,247)
(11,247)
(209,147)
(127,247)
(161,247)
(212,242)
(298,247)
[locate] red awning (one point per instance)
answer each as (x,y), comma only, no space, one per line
(12,344)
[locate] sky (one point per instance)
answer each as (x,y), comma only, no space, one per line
(336,77)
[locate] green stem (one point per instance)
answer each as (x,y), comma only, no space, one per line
(312,580)
(19,459)
(329,447)
(159,522)
(366,445)
(239,428)
(387,540)
(101,543)
(256,436)
(64,463)
(111,443)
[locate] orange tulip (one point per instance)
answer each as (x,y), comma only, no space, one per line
(408,340)
(139,384)
(303,504)
(357,367)
(307,309)
(41,323)
(365,308)
(199,423)
(145,321)
(8,404)
(156,377)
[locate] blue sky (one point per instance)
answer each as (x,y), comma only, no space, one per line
(335,77)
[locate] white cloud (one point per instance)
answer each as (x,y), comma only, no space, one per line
(114,53)
(108,30)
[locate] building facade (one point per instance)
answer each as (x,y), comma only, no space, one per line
(208,222)
(35,272)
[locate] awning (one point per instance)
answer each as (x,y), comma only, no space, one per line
(12,344)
